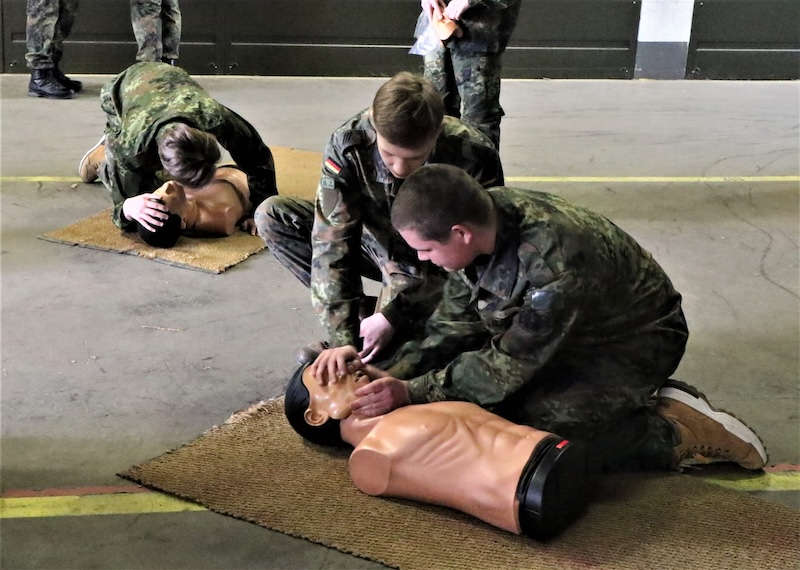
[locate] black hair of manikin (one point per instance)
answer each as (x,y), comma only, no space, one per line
(164,236)
(295,405)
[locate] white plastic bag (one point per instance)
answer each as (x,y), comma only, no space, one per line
(427,40)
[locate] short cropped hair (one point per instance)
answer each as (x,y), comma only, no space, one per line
(295,404)
(189,155)
(164,236)
(435,198)
(407,110)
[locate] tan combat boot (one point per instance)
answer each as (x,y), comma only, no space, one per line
(707,435)
(90,163)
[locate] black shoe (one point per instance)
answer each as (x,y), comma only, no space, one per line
(44,83)
(170,61)
(71,84)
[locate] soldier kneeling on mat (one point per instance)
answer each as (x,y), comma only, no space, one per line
(454,454)
(214,209)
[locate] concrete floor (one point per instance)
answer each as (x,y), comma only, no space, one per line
(91,385)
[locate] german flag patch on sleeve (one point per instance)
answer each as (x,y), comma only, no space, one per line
(332,166)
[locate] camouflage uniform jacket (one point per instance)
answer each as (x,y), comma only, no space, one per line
(352,211)
(561,279)
(487,25)
(147,96)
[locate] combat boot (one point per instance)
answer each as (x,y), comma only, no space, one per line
(91,161)
(707,435)
(44,83)
(310,352)
(72,84)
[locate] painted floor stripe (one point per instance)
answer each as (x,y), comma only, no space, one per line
(112,504)
(651,179)
(138,500)
(549,179)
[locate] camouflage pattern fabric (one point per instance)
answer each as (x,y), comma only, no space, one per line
(470,85)
(48,23)
(351,234)
(147,96)
(466,71)
(157,27)
(570,326)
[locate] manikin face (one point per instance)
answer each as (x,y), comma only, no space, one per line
(403,161)
(454,254)
(211,209)
(332,400)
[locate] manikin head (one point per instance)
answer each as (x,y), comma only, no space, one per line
(188,155)
(213,209)
(444,214)
(315,411)
(407,114)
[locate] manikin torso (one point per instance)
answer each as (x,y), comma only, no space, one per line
(454,454)
(215,208)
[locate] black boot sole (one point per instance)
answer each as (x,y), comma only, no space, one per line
(32,93)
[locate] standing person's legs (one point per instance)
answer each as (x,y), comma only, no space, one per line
(438,69)
(146,23)
(66,19)
(478,78)
(40,30)
(63,27)
(170,30)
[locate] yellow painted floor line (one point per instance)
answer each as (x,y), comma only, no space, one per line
(784,481)
(112,504)
(125,503)
(39,179)
(650,179)
(550,179)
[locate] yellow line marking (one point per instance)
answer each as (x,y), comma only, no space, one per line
(786,481)
(551,179)
(152,502)
(115,504)
(39,179)
(650,179)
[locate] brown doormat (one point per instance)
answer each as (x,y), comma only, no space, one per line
(297,171)
(297,174)
(254,467)
(213,255)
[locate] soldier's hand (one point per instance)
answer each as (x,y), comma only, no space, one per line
(333,363)
(455,8)
(147,209)
(377,332)
(433,8)
(381,397)
(248,225)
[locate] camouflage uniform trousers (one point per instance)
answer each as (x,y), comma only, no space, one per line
(157,27)
(49,22)
(285,225)
(470,85)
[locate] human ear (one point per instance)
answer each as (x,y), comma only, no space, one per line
(462,233)
(315,418)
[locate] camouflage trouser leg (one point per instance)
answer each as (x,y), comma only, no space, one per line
(48,23)
(477,77)
(170,28)
(439,71)
(146,23)
(285,224)
(604,395)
